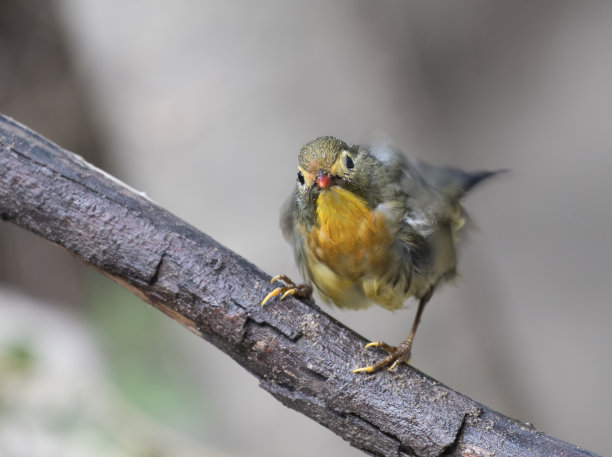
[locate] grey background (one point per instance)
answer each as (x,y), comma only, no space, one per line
(204,106)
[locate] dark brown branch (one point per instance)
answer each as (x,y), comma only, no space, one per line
(300,355)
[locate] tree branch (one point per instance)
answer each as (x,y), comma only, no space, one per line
(301,355)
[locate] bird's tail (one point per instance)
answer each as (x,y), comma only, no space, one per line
(453,181)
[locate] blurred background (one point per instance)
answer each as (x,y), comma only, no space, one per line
(204,106)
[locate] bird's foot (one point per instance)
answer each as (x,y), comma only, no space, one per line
(291,288)
(396,356)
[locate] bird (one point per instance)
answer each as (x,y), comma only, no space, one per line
(370,226)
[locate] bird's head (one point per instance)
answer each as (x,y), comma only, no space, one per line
(327,162)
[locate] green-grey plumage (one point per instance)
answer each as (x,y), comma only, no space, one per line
(421,204)
(320,148)
(368,225)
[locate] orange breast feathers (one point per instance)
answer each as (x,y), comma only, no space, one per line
(351,239)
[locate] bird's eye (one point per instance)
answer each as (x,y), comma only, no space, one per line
(349,162)
(300,178)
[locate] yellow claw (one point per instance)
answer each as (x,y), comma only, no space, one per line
(291,291)
(368,369)
(272,294)
(381,344)
(279,290)
(277,278)
(394,358)
(285,291)
(290,288)
(396,363)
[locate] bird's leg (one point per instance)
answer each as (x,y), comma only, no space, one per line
(401,353)
(291,288)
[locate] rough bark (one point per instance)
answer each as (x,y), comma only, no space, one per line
(302,356)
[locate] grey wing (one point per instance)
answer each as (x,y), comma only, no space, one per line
(425,216)
(426,252)
(287,218)
(293,235)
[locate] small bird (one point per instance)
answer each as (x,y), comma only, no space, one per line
(369,226)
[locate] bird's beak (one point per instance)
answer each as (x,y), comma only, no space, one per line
(324,180)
